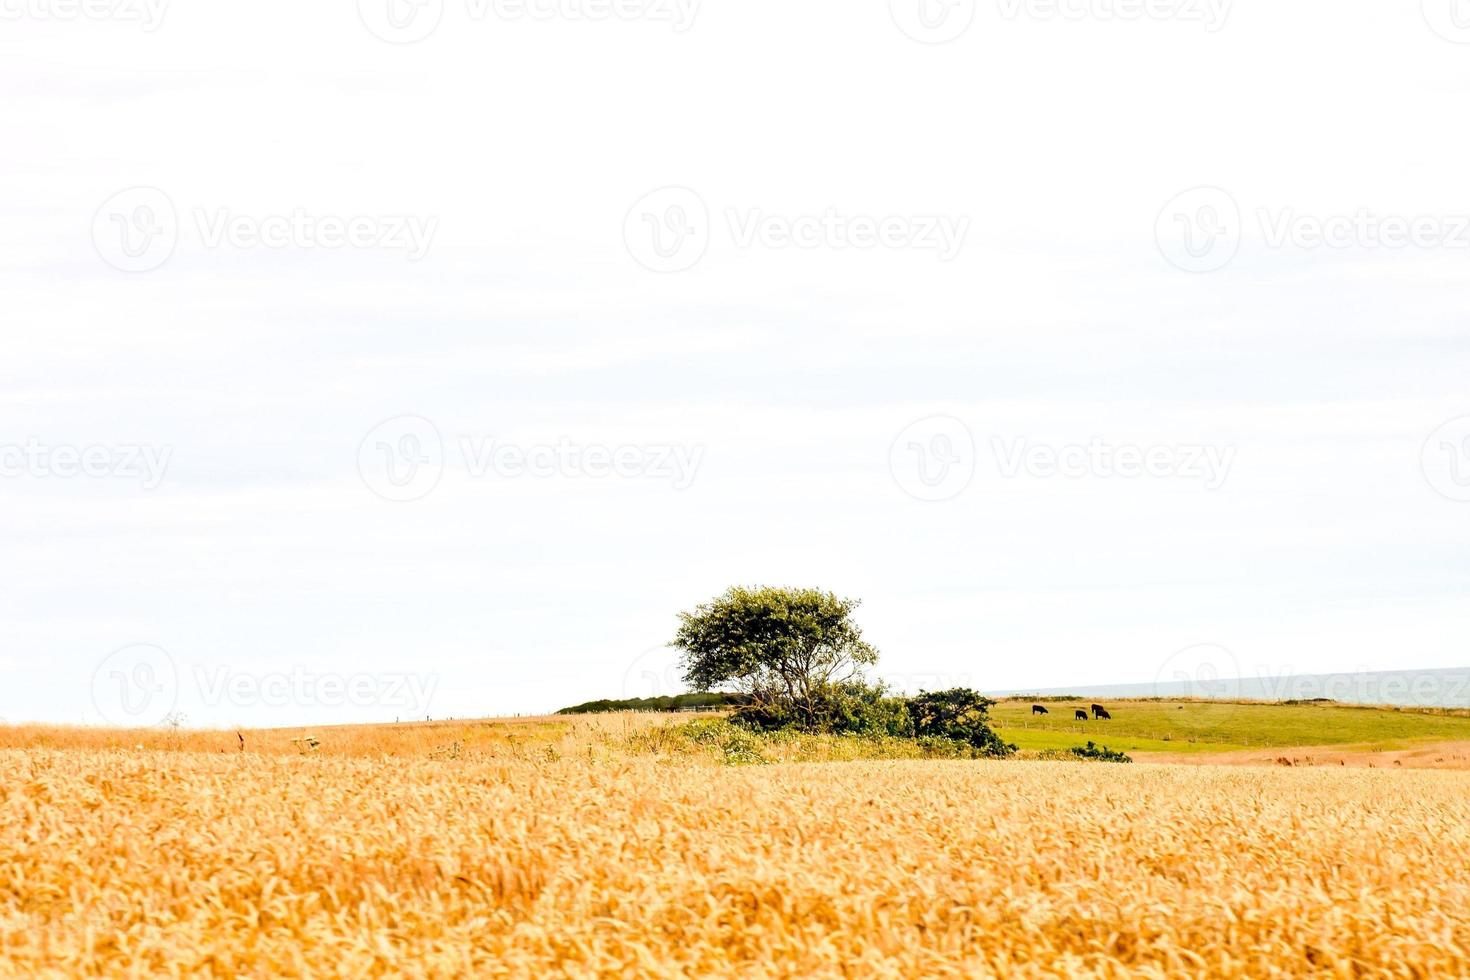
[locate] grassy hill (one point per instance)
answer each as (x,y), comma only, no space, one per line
(1216,726)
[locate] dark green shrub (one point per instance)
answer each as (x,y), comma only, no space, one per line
(1103,754)
(959,714)
(853,708)
(869,709)
(955,717)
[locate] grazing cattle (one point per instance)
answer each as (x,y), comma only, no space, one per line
(1081,715)
(1098,711)
(1037,709)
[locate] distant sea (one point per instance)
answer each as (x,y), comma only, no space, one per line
(1439,688)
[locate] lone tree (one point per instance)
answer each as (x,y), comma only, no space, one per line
(788,650)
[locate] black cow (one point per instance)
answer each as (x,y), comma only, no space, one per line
(1098,711)
(1037,709)
(1081,715)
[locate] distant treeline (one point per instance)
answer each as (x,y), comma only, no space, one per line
(1039,698)
(676,702)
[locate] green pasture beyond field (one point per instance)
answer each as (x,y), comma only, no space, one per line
(1222,726)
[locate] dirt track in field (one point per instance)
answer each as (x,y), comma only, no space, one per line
(1429,755)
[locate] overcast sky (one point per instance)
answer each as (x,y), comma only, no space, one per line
(371,362)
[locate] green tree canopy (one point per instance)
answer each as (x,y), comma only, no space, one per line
(785,648)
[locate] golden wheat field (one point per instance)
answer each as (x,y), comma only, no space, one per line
(576,850)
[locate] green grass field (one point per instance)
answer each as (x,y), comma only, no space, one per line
(1222,726)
